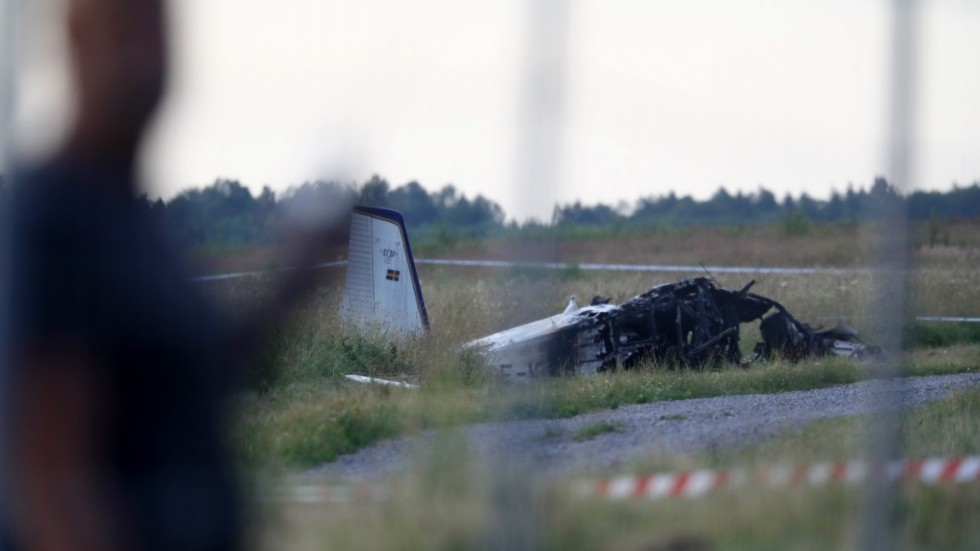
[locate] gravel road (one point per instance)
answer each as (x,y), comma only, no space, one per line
(683,426)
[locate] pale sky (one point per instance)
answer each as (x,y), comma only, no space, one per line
(653,97)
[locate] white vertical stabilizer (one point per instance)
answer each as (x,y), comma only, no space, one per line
(382,293)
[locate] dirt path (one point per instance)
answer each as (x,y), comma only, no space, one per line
(683,426)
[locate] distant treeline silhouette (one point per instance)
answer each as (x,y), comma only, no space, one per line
(227,214)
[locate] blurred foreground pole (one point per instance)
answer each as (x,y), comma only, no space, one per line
(514,516)
(8,43)
(878,530)
(8,47)
(9,14)
(541,104)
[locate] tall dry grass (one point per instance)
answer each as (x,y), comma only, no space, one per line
(302,411)
(299,409)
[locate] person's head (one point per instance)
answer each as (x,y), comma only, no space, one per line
(119,59)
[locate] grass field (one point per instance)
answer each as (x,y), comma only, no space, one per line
(458,504)
(299,411)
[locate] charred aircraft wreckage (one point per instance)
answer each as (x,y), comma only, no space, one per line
(691,323)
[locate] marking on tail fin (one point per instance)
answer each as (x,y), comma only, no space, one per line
(380,254)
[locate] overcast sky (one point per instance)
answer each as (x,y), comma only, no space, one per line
(651,97)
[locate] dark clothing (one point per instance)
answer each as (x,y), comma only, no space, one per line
(90,268)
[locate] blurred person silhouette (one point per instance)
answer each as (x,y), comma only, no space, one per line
(114,397)
(117,373)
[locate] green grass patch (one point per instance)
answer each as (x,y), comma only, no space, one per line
(943,361)
(309,431)
(923,334)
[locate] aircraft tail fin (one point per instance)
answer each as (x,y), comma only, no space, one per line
(382,292)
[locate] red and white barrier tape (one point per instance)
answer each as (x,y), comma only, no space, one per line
(698,483)
(690,484)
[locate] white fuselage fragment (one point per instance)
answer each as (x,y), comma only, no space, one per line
(565,343)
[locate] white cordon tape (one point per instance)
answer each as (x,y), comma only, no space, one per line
(322,493)
(694,484)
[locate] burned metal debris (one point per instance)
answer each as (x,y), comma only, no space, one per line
(696,322)
(691,323)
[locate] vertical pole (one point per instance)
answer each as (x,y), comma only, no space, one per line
(542,102)
(514,515)
(8,48)
(8,43)
(888,220)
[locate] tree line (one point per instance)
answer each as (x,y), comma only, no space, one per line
(228,214)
